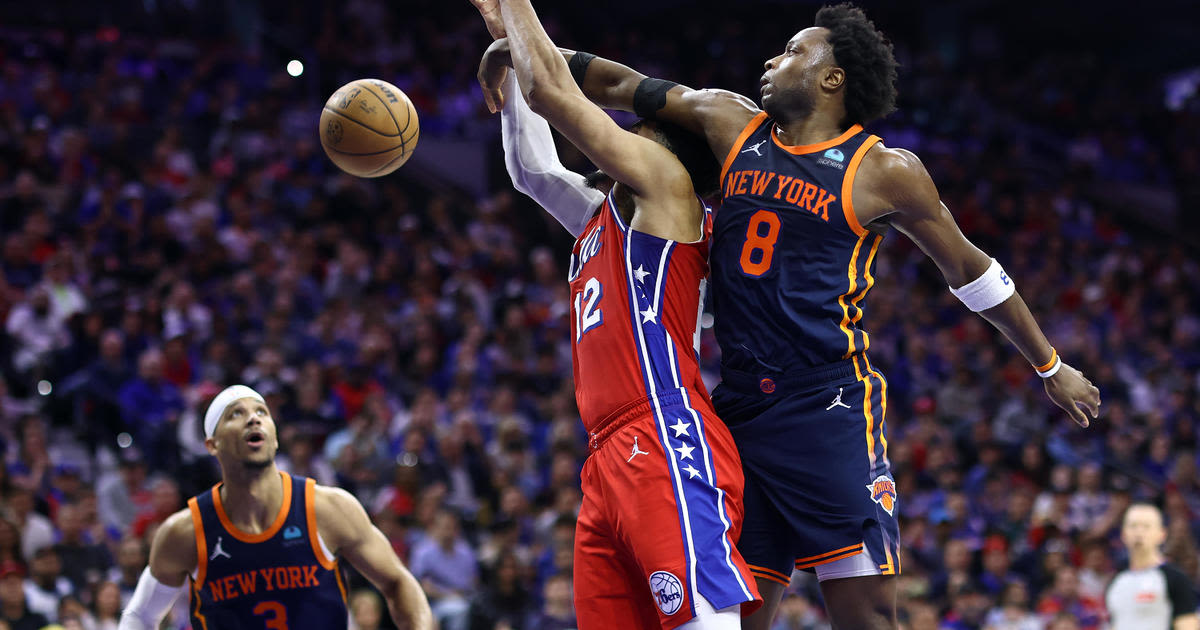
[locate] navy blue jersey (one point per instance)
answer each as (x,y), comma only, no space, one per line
(278,580)
(790,263)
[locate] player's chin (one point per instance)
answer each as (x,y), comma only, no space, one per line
(258,460)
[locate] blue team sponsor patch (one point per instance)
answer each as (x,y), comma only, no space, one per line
(292,533)
(835,155)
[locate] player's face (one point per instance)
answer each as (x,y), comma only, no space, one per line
(1143,528)
(245,434)
(793,78)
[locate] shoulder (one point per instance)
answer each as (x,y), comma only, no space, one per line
(339,516)
(898,178)
(173,552)
(179,527)
(731,101)
(1174,575)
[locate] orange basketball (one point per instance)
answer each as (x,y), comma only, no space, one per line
(369,128)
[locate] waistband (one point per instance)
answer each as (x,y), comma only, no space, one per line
(799,380)
(629,412)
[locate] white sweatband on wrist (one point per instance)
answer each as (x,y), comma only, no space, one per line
(1051,367)
(150,602)
(217,407)
(988,290)
(533,164)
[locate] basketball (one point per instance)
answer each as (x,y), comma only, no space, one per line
(369,128)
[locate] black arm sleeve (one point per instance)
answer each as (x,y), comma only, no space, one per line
(1179,591)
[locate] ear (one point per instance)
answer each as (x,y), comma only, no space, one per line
(210,444)
(834,78)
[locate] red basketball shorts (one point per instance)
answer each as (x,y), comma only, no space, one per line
(662,509)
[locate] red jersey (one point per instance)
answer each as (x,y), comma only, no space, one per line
(636,305)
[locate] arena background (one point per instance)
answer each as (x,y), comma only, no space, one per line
(170,225)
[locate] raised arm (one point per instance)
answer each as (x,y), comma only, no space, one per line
(895,181)
(648,168)
(531,158)
(344,525)
(172,558)
(718,115)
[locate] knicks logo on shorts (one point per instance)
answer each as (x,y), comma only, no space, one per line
(883,492)
(667,591)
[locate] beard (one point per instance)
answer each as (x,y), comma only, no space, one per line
(254,464)
(786,106)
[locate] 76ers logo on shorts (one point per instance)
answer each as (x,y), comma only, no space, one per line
(667,591)
(883,492)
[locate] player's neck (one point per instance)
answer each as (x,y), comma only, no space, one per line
(1148,559)
(253,497)
(819,126)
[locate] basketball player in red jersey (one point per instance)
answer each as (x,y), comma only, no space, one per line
(260,550)
(654,544)
(807,196)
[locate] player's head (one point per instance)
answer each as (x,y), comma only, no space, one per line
(239,429)
(842,60)
(1142,528)
(691,150)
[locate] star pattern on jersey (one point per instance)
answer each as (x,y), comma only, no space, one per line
(641,274)
(692,472)
(681,427)
(649,316)
(685,451)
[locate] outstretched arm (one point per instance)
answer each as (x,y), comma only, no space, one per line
(531,158)
(896,180)
(645,166)
(345,526)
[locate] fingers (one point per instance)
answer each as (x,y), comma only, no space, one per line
(1094,401)
(1078,416)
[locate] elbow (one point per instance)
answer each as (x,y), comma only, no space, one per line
(539,94)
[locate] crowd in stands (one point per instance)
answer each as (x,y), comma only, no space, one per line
(169,225)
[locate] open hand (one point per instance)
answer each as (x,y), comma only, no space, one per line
(490,11)
(1072,391)
(493,69)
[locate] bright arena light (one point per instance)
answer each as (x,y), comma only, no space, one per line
(295,68)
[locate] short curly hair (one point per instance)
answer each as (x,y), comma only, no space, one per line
(866,56)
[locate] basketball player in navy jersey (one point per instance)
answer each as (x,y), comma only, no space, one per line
(261,549)
(807,197)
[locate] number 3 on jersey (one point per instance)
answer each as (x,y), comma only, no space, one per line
(278,615)
(587,313)
(760,246)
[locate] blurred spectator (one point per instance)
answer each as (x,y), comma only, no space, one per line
(504,600)
(132,557)
(36,531)
(558,613)
(1150,594)
(107,605)
(122,493)
(366,610)
(164,501)
(151,406)
(13,609)
(46,584)
(84,560)
(446,566)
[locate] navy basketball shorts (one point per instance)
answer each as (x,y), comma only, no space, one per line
(819,494)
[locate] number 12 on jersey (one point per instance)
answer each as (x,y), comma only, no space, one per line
(759,247)
(587,311)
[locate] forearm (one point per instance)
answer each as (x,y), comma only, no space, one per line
(407,603)
(541,69)
(607,83)
(1013,318)
(533,165)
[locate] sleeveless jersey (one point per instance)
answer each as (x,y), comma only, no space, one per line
(278,580)
(790,263)
(636,306)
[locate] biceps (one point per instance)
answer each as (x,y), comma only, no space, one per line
(373,556)
(936,233)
